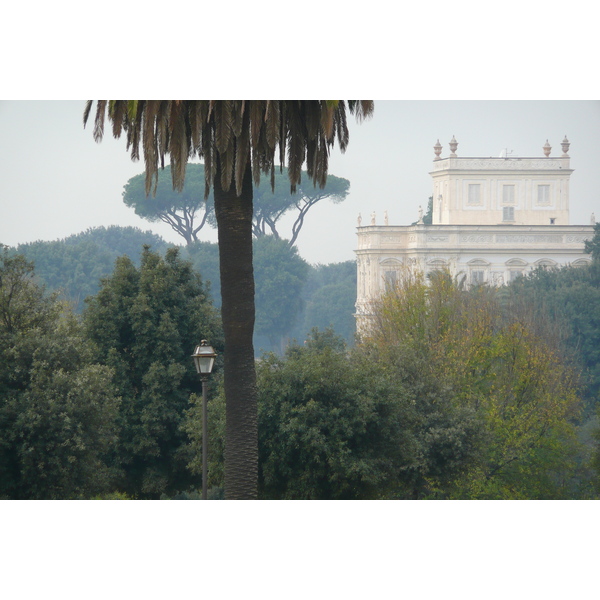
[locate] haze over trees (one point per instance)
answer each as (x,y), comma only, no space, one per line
(75,265)
(280,277)
(304,296)
(187,211)
(329,296)
(271,204)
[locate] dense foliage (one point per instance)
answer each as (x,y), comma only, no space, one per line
(329,427)
(503,377)
(329,296)
(145,323)
(58,406)
(571,296)
(593,246)
(292,297)
(75,265)
(280,276)
(456,393)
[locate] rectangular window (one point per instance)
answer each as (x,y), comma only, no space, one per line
(508,194)
(474,193)
(508,213)
(543,195)
(512,275)
(390,279)
(477,277)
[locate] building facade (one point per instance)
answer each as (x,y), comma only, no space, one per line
(493,219)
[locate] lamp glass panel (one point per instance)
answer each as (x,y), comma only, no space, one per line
(204,358)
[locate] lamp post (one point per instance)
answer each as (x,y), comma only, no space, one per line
(204,359)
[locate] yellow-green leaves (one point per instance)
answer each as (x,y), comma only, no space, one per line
(497,361)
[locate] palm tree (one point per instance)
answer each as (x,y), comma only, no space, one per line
(237,140)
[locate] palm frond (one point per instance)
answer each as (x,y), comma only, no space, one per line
(242,152)
(117,114)
(272,123)
(99,121)
(341,126)
(150,142)
(86,111)
(327,110)
(178,143)
(232,133)
(223,125)
(296,143)
(361,109)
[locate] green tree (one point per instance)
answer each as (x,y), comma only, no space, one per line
(237,140)
(501,363)
(280,274)
(330,428)
(428,216)
(146,322)
(57,406)
(273,202)
(571,296)
(329,296)
(593,246)
(177,208)
(205,259)
(75,265)
(180,209)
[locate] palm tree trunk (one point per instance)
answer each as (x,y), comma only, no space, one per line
(234,222)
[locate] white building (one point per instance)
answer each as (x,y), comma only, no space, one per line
(493,220)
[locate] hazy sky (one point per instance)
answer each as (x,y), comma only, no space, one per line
(56,181)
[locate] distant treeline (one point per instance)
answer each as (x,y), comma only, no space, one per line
(292,296)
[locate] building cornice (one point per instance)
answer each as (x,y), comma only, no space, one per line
(501,164)
(477,237)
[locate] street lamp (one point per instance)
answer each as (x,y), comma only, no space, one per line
(204,359)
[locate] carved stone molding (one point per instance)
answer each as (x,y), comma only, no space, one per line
(476,239)
(500,164)
(540,238)
(578,239)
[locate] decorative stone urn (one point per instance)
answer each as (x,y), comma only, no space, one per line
(547,148)
(453,147)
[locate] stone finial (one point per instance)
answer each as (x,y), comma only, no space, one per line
(453,146)
(547,148)
(373,218)
(359,219)
(385,218)
(438,150)
(592,219)
(565,146)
